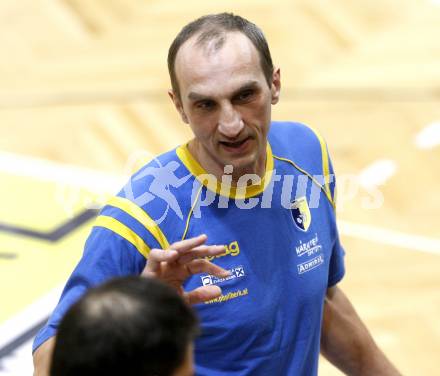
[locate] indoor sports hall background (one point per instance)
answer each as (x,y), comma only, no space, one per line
(83,98)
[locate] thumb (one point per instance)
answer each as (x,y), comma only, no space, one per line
(202,294)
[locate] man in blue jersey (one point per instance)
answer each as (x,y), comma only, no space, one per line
(264,190)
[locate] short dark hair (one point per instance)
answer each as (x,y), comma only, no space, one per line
(214,27)
(129,326)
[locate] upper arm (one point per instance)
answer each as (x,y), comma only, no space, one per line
(331,291)
(106,255)
(336,302)
(339,321)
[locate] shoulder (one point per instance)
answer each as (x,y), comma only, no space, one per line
(160,170)
(160,176)
(304,148)
(299,143)
(152,204)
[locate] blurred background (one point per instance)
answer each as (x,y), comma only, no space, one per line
(83,100)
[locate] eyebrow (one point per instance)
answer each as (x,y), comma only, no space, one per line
(248,85)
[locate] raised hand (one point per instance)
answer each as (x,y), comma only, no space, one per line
(183,259)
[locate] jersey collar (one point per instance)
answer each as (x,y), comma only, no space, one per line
(217,187)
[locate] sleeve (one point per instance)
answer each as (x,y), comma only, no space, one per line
(337,265)
(117,246)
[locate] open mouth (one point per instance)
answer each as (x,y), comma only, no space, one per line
(235,144)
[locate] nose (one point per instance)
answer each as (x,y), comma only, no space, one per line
(230,123)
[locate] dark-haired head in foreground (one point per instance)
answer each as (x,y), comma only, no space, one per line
(128,326)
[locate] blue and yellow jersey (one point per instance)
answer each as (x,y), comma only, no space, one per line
(282,249)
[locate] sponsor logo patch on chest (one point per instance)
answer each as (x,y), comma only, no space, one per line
(232,249)
(236,272)
(311,264)
(308,247)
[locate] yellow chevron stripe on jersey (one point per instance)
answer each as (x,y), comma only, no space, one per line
(325,162)
(122,230)
(140,215)
(327,193)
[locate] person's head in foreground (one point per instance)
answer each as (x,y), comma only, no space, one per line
(128,326)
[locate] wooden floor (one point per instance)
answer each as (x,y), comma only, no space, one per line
(83,88)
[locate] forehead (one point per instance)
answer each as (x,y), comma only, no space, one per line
(209,70)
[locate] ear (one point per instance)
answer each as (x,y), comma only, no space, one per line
(178,104)
(276,85)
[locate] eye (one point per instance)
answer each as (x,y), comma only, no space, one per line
(244,96)
(205,105)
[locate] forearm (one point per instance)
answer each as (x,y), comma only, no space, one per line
(42,358)
(347,343)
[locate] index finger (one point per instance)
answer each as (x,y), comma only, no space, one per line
(157,256)
(188,244)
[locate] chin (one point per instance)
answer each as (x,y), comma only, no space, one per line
(244,166)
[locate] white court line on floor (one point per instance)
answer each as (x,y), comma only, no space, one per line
(389,237)
(428,137)
(18,363)
(29,317)
(377,173)
(45,170)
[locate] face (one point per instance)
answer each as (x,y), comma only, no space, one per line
(226,100)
